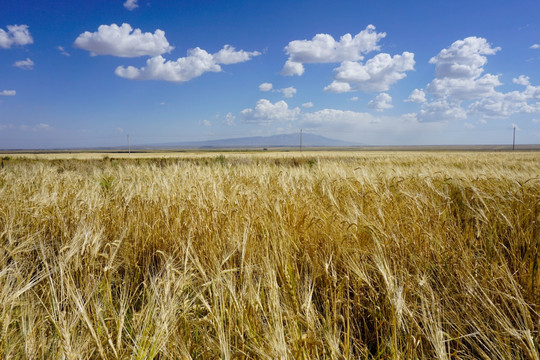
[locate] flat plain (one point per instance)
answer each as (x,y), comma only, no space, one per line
(307,255)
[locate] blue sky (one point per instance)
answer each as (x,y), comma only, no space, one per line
(87,73)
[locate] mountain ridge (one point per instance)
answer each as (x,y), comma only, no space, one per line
(272,141)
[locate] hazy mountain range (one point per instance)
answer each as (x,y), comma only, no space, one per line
(286,140)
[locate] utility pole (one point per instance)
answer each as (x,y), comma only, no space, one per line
(300,139)
(514,141)
(129,147)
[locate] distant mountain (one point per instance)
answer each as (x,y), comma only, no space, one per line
(286,140)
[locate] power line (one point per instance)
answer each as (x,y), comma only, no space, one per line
(514,141)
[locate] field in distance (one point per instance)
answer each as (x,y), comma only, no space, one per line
(156,152)
(312,255)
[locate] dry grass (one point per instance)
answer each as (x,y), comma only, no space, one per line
(312,256)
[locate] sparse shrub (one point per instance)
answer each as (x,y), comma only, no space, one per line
(221,160)
(106,183)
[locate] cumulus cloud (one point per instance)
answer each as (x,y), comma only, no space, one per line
(459,68)
(186,68)
(123,41)
(266,113)
(441,110)
(522,80)
(354,98)
(292,68)
(131,4)
(381,102)
(15,35)
(228,55)
(205,123)
(502,105)
(535,46)
(377,74)
(27,64)
(288,92)
(463,59)
(323,48)
(229,119)
(461,88)
(8,93)
(338,87)
(62,51)
(265,87)
(464,88)
(417,96)
(307,105)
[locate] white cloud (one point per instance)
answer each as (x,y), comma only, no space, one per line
(323,48)
(265,87)
(123,41)
(38,127)
(463,59)
(195,64)
(377,74)
(131,4)
(229,119)
(354,98)
(535,121)
(8,93)
(417,96)
(522,80)
(228,55)
(468,125)
(15,35)
(186,68)
(307,105)
(464,88)
(460,81)
(338,87)
(441,110)
(535,46)
(288,92)
(42,126)
(459,68)
(27,64)
(266,113)
(205,123)
(502,105)
(292,68)
(381,102)
(62,51)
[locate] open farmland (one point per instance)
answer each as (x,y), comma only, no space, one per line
(314,255)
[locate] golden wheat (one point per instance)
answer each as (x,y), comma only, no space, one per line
(271,255)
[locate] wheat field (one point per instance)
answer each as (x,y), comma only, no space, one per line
(314,255)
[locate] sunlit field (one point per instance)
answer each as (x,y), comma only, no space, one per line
(270,255)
